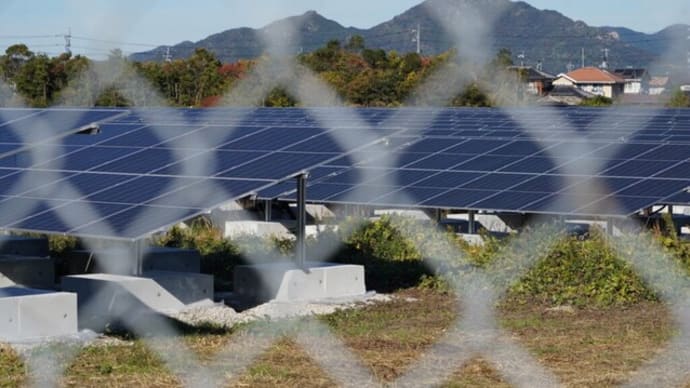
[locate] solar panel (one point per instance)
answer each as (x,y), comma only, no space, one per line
(147,169)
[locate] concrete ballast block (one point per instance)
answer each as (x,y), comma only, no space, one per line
(285,282)
(33,272)
(172,259)
(24,246)
(27,314)
(187,287)
(113,299)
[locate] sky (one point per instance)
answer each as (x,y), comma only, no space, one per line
(149,23)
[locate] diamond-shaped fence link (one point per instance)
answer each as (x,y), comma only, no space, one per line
(475,332)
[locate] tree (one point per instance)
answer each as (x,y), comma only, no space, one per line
(355,44)
(597,101)
(472,96)
(679,99)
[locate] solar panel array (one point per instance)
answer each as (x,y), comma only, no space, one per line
(149,169)
(601,162)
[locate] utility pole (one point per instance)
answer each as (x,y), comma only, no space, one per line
(167,57)
(583,57)
(68,41)
(689,51)
(540,65)
(418,38)
(605,63)
(521,57)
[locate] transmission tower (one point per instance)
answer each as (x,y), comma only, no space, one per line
(418,37)
(68,41)
(605,61)
(521,57)
(167,57)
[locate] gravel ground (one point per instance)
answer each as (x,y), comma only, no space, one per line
(221,315)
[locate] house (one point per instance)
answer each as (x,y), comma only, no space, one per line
(538,82)
(593,80)
(563,95)
(636,80)
(658,85)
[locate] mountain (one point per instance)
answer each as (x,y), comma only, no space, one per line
(546,36)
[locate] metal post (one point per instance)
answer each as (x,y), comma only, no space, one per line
(268,206)
(670,209)
(301,219)
(471,227)
(139,257)
(609,226)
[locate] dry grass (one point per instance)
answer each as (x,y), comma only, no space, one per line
(590,348)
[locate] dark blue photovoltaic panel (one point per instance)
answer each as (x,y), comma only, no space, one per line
(487,163)
(434,145)
(561,203)
(86,158)
(211,137)
(210,163)
(141,162)
(13,210)
(409,196)
(449,179)
(519,148)
(682,198)
(322,191)
(136,222)
(638,168)
(276,191)
(532,165)
(623,151)
(508,200)
(441,161)
(107,131)
(402,177)
(496,182)
(68,217)
(361,194)
(209,193)
(348,177)
(547,183)
(477,146)
(20,183)
(459,199)
(277,165)
(618,205)
(141,190)
(4,148)
(601,185)
(680,171)
(78,186)
(655,188)
(273,139)
(668,152)
(149,136)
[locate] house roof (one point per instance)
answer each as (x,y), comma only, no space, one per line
(658,81)
(631,73)
(592,75)
(569,91)
(532,73)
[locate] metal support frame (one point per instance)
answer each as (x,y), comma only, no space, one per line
(301,219)
(670,209)
(268,207)
(471,224)
(138,250)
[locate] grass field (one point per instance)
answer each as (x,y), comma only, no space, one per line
(593,348)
